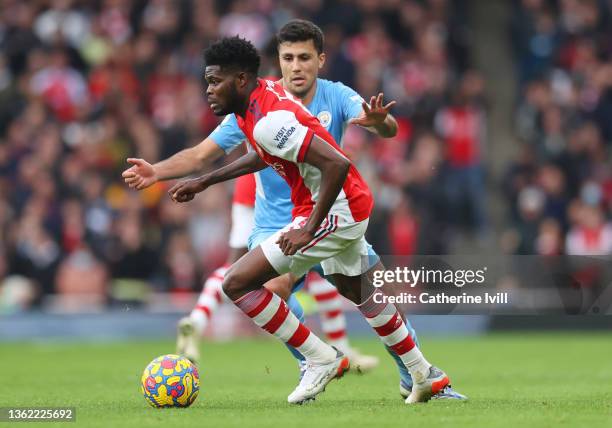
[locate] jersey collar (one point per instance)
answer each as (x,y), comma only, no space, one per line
(316,93)
(261,85)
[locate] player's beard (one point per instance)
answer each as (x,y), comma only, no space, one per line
(300,92)
(233,102)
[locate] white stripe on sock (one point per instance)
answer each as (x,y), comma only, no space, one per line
(327,306)
(288,327)
(268,312)
(380,320)
(396,337)
(333,324)
(317,351)
(320,286)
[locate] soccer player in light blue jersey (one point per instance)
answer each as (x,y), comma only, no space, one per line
(300,46)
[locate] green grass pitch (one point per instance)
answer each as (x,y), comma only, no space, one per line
(536,380)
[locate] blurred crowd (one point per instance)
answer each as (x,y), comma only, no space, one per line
(560,186)
(86,84)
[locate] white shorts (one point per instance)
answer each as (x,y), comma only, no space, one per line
(339,246)
(243,220)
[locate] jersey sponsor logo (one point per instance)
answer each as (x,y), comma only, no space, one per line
(325,118)
(283,135)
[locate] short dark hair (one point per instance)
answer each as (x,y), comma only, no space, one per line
(233,53)
(300,30)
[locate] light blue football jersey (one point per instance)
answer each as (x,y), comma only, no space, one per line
(334,104)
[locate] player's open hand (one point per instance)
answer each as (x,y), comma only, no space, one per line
(140,175)
(185,191)
(374,113)
(291,241)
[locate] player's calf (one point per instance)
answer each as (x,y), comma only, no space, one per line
(390,327)
(389,324)
(271,313)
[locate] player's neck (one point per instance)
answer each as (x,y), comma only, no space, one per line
(307,98)
(244,105)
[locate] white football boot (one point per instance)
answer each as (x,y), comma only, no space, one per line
(187,340)
(316,377)
(433,384)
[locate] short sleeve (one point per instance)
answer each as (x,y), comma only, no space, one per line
(228,134)
(350,101)
(281,134)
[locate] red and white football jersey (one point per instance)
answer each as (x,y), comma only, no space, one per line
(280,129)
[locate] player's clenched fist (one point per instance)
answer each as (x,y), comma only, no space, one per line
(140,175)
(185,191)
(291,241)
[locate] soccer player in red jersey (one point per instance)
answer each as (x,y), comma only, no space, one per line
(332,204)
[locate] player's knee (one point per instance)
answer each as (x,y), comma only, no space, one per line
(349,287)
(234,284)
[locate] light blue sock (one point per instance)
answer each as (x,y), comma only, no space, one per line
(296,308)
(405,377)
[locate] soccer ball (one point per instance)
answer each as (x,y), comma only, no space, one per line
(170,381)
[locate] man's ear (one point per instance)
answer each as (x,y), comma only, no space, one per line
(322,58)
(241,79)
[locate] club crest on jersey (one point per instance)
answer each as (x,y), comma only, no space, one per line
(283,135)
(325,118)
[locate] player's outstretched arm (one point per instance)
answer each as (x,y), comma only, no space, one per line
(376,117)
(334,169)
(142,174)
(185,191)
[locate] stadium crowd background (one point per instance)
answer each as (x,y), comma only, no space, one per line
(86,84)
